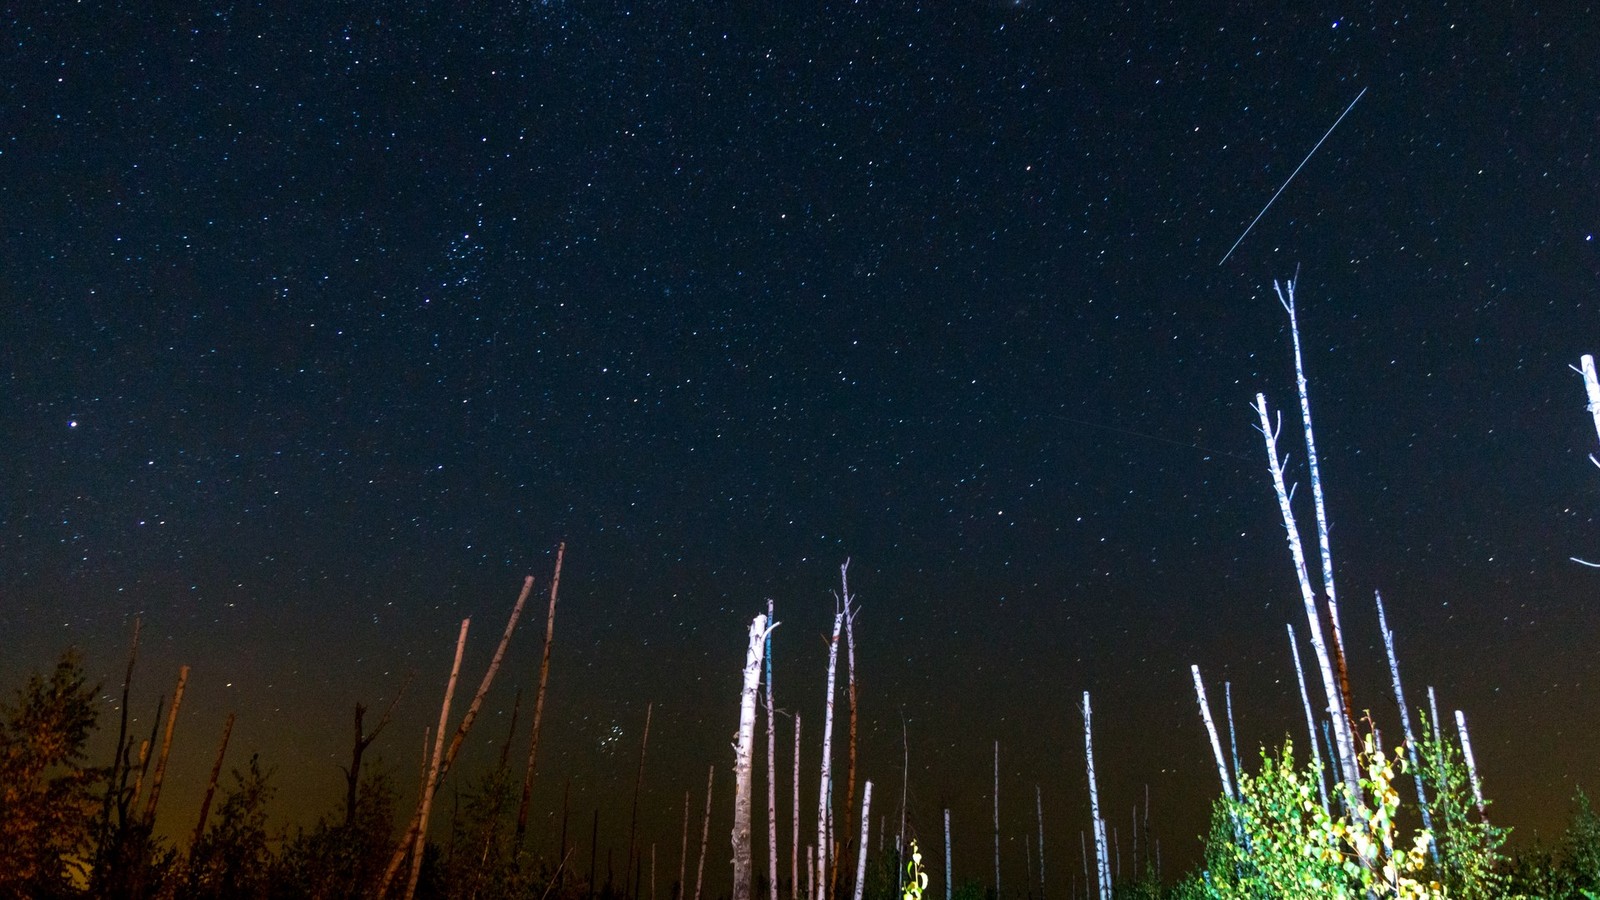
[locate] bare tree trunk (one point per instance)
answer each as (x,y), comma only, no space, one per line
(417,834)
(118,778)
(538,702)
(948,886)
(1349,768)
(794,855)
(825,791)
(638,784)
(742,757)
(352,775)
(1311,722)
(683,856)
(1233,740)
(1286,297)
(1591,390)
(1472,765)
(850,676)
(905,775)
(1211,730)
(861,851)
(1101,863)
(488,679)
(166,745)
(211,784)
(1038,797)
(772,774)
(705,834)
(997,820)
(1405,725)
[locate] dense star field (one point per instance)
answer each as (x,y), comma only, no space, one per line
(324,328)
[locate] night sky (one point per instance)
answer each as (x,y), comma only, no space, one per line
(323,328)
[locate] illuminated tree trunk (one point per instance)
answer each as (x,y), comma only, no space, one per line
(538,701)
(824,792)
(794,846)
(772,774)
(1103,873)
(417,834)
(742,754)
(705,834)
(166,745)
(1286,297)
(948,884)
(683,855)
(997,820)
(1472,765)
(211,784)
(1591,390)
(1038,799)
(861,851)
(850,675)
(1405,724)
(1211,731)
(1345,746)
(1311,722)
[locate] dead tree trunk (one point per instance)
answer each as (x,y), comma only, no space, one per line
(705,834)
(1038,798)
(742,753)
(1472,764)
(1311,722)
(1101,863)
(1405,725)
(538,702)
(861,851)
(1591,390)
(166,745)
(997,820)
(850,680)
(824,792)
(417,835)
(683,853)
(794,848)
(211,784)
(1211,731)
(638,784)
(352,775)
(948,886)
(1348,766)
(1286,297)
(772,775)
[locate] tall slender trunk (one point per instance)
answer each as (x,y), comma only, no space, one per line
(772,774)
(794,847)
(166,745)
(683,854)
(1286,297)
(1233,740)
(1348,766)
(997,820)
(705,834)
(1472,764)
(861,851)
(363,740)
(1104,873)
(211,784)
(1311,722)
(825,791)
(1211,730)
(742,758)
(948,885)
(850,676)
(119,762)
(538,701)
(1038,799)
(417,836)
(638,784)
(905,776)
(1405,725)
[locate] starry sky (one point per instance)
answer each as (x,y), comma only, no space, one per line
(323,328)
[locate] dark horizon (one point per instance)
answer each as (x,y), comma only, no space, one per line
(328,328)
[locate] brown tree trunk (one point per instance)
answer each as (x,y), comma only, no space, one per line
(211,784)
(538,702)
(705,835)
(166,745)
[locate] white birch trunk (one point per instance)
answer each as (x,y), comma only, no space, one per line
(1405,722)
(794,846)
(742,753)
(1233,741)
(772,775)
(1286,297)
(1472,765)
(1211,730)
(1311,722)
(861,853)
(1591,388)
(1094,806)
(825,790)
(948,885)
(420,834)
(1348,767)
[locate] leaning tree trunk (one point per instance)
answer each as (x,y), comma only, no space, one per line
(1211,731)
(211,784)
(742,753)
(997,820)
(824,793)
(705,834)
(538,701)
(683,853)
(850,676)
(166,745)
(1102,869)
(1472,765)
(1311,722)
(1405,726)
(1286,297)
(1349,768)
(1591,390)
(638,784)
(417,835)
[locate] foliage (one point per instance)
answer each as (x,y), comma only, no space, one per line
(47,793)
(338,859)
(1469,847)
(916,879)
(232,858)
